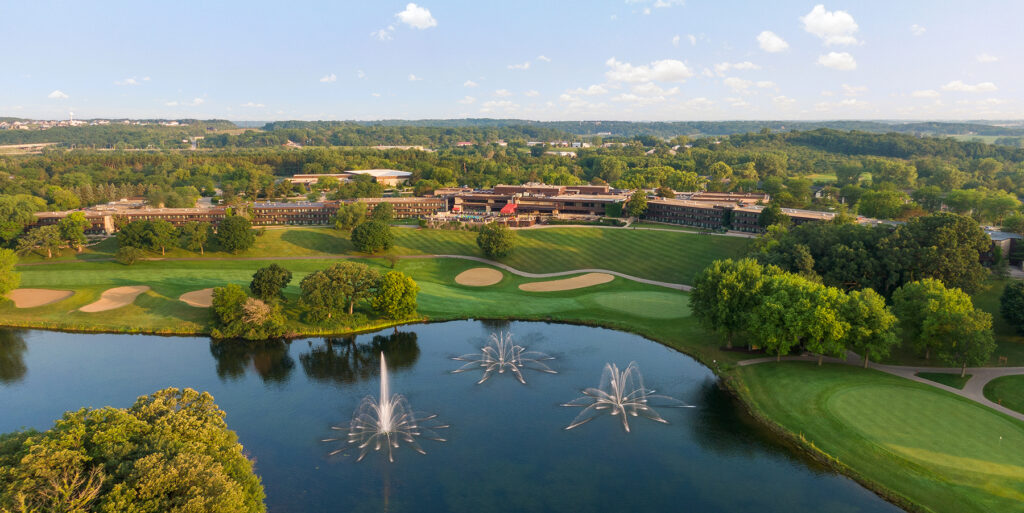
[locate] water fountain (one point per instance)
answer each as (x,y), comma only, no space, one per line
(621,393)
(500,355)
(384,425)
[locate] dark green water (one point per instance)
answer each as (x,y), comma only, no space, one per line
(506,449)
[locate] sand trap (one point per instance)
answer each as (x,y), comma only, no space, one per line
(479,277)
(115,298)
(31,298)
(576,282)
(198,298)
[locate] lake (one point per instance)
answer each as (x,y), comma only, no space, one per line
(506,446)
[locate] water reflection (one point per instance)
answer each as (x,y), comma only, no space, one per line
(269,358)
(12,356)
(344,361)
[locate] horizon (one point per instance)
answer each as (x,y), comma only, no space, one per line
(634,60)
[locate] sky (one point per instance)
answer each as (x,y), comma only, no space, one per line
(547,60)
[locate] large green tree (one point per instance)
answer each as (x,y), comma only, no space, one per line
(966,336)
(170,451)
(396,296)
(342,285)
(496,240)
(16,212)
(72,230)
(160,235)
(349,215)
(796,311)
(637,204)
(372,236)
(45,239)
(383,212)
(726,292)
(872,325)
(236,315)
(235,234)
(9,278)
(194,235)
(268,282)
(923,306)
(1011,305)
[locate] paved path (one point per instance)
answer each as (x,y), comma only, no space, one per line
(517,272)
(973,390)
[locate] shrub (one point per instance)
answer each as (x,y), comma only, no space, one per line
(496,240)
(372,236)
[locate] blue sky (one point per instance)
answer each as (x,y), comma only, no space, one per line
(548,60)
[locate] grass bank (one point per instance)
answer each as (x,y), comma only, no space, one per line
(1008,391)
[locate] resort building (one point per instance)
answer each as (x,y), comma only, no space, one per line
(702,214)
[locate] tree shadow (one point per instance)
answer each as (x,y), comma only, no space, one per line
(317,241)
(268,358)
(342,361)
(12,356)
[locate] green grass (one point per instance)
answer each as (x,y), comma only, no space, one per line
(666,256)
(1008,391)
(945,378)
(940,451)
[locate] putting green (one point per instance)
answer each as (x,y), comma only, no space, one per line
(652,305)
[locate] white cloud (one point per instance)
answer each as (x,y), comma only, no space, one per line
(57,94)
(986,58)
(469,83)
(722,67)
(850,90)
(838,60)
(783,101)
(590,91)
(414,78)
(675,40)
(128,82)
(770,42)
(543,58)
(171,104)
(737,102)
(502,93)
(737,84)
(833,27)
(668,70)
(699,103)
(668,3)
(329,78)
(917,30)
(765,84)
(532,93)
(692,38)
(252,104)
(961,87)
(383,34)
(197,101)
(416,17)
(359,74)
(467,100)
(925,93)
(523,66)
(493,105)
(647,93)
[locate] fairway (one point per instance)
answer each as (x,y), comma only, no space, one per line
(942,451)
(1007,390)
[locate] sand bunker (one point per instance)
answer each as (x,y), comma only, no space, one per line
(576,282)
(115,298)
(479,277)
(31,298)
(198,298)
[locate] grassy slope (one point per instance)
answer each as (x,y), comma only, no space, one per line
(938,450)
(667,256)
(950,380)
(1008,390)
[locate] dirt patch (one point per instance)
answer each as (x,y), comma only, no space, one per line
(479,277)
(198,298)
(31,298)
(576,282)
(115,298)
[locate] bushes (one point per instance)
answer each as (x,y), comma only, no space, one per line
(128,255)
(372,236)
(496,240)
(237,315)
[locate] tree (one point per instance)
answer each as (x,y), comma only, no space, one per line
(173,452)
(1011,305)
(128,255)
(613,209)
(349,215)
(72,229)
(882,204)
(772,215)
(966,336)
(160,234)
(268,283)
(637,204)
(237,315)
(235,234)
(872,324)
(45,239)
(496,240)
(194,235)
(396,296)
(16,212)
(383,212)
(372,236)
(329,291)
(9,279)
(726,292)
(922,306)
(947,247)
(793,311)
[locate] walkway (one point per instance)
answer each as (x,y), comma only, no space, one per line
(973,390)
(517,272)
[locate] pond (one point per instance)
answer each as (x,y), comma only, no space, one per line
(506,447)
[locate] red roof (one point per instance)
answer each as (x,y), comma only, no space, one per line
(509,208)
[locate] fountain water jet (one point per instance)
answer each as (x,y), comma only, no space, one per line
(621,393)
(499,355)
(384,425)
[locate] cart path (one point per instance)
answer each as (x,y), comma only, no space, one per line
(517,272)
(973,390)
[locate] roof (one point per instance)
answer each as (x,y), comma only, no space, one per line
(509,208)
(999,235)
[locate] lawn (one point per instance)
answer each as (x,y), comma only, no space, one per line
(945,378)
(938,450)
(1008,391)
(658,255)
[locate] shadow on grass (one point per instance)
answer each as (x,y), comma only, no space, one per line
(317,241)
